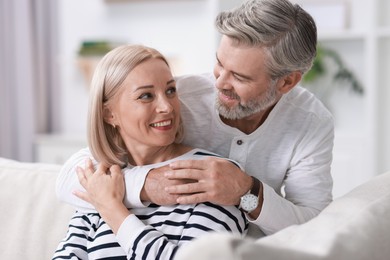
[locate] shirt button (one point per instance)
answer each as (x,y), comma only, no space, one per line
(239,142)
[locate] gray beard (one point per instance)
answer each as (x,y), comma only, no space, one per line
(252,107)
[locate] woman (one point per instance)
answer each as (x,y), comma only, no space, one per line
(134,122)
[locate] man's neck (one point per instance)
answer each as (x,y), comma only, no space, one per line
(249,124)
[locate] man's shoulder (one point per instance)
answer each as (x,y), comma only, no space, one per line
(305,101)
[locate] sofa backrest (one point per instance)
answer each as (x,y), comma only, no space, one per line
(355,226)
(32,219)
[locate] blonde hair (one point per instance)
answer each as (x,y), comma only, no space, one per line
(104,140)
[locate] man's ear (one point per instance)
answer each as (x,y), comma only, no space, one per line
(289,81)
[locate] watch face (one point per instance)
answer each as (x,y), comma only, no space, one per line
(249,202)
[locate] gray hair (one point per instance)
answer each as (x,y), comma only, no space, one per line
(287,33)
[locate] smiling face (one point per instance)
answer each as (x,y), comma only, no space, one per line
(244,86)
(146,112)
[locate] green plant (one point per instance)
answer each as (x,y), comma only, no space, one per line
(94,48)
(321,65)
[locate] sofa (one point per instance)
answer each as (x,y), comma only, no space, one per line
(32,219)
(355,226)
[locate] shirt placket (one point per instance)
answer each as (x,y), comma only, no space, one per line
(238,150)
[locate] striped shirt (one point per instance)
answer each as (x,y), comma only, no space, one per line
(153,232)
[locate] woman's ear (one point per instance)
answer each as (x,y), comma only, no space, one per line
(289,81)
(108,115)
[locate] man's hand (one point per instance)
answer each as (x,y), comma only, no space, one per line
(155,184)
(217,180)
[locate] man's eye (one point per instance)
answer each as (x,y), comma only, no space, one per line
(238,78)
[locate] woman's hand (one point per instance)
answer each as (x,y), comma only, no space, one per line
(105,190)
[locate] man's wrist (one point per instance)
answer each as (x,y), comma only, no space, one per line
(249,202)
(144,195)
(256,213)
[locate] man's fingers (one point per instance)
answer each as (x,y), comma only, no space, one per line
(190,193)
(189,174)
(192,199)
(188,188)
(188,164)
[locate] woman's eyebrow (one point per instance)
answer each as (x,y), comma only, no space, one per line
(144,87)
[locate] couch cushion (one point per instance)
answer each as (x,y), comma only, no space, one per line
(354,226)
(32,220)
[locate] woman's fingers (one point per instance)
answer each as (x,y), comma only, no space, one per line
(81,174)
(82,195)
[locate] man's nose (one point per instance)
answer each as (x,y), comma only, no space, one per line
(222,81)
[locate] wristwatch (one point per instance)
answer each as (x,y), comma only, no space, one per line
(250,200)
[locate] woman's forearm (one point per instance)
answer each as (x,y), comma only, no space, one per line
(114,215)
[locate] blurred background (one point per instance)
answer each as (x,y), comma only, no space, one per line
(49,48)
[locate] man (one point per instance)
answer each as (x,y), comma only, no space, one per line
(254,113)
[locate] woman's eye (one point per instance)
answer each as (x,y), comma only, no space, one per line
(171,91)
(146,96)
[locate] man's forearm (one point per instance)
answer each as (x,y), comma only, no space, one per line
(67,181)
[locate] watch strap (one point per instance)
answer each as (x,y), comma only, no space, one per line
(255,187)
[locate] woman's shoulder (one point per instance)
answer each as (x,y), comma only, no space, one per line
(200,154)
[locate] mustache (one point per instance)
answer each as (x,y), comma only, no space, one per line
(230,94)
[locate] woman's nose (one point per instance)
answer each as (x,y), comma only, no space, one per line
(164,105)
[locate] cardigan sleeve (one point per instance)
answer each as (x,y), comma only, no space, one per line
(308,182)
